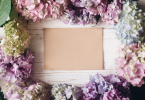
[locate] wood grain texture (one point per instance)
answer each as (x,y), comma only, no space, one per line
(79,78)
(56,23)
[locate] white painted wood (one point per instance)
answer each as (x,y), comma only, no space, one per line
(2,33)
(36,45)
(56,23)
(110,44)
(77,77)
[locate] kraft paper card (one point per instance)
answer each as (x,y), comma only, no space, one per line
(73,49)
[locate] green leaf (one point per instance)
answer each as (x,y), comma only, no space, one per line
(0,2)
(14,14)
(5,9)
(2,95)
(97,19)
(110,1)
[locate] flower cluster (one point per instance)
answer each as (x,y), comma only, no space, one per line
(110,14)
(113,95)
(15,69)
(90,91)
(85,11)
(76,16)
(66,92)
(70,11)
(16,38)
(13,91)
(111,87)
(27,90)
(33,9)
(40,9)
(37,91)
(130,28)
(131,63)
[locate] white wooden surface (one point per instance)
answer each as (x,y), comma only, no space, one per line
(71,77)
(78,77)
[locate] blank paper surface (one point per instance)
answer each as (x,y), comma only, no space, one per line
(73,49)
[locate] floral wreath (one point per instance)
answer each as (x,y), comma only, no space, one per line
(16,62)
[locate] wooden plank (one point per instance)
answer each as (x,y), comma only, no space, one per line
(2,33)
(78,78)
(36,44)
(110,47)
(56,23)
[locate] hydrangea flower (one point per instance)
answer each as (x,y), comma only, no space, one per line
(57,8)
(90,5)
(111,87)
(13,91)
(102,84)
(66,92)
(113,95)
(82,3)
(90,91)
(130,28)
(16,38)
(119,83)
(131,63)
(110,14)
(76,16)
(37,91)
(33,9)
(37,10)
(15,69)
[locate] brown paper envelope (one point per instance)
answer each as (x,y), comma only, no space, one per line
(73,49)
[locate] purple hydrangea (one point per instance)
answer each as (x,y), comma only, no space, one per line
(102,84)
(90,91)
(113,95)
(77,15)
(111,87)
(119,83)
(16,69)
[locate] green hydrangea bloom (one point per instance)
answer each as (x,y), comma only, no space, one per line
(16,38)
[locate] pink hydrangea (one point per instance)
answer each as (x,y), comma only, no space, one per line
(36,10)
(16,69)
(56,10)
(110,14)
(131,63)
(102,7)
(33,9)
(36,91)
